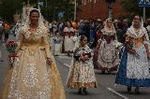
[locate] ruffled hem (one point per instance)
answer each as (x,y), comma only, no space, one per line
(121,77)
(57,88)
(76,85)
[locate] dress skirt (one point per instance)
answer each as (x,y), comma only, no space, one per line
(106,57)
(31,78)
(81,75)
(133,77)
(68,44)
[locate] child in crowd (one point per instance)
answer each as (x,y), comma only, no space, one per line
(57,41)
(81,74)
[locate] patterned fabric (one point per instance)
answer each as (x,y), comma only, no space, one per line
(138,67)
(68,44)
(133,70)
(121,77)
(30,77)
(81,74)
(108,57)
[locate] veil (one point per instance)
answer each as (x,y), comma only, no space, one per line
(142,29)
(40,19)
(106,24)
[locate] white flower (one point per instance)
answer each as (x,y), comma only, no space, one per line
(117,44)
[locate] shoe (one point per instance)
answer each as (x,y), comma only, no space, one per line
(80,91)
(85,91)
(68,55)
(103,72)
(1,60)
(109,72)
(137,90)
(128,88)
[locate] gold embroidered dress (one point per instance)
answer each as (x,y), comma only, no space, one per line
(81,74)
(30,77)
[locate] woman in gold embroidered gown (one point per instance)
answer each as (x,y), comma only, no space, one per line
(34,74)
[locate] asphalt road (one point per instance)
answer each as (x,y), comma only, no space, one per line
(106,89)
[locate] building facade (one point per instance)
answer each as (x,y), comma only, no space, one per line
(98,9)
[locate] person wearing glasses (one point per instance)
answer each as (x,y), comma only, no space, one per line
(134,66)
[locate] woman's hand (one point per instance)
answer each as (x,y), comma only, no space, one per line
(132,51)
(49,61)
(148,55)
(84,57)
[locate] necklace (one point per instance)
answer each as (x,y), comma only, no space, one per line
(136,30)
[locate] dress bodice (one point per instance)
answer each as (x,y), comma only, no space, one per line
(34,40)
(109,35)
(137,41)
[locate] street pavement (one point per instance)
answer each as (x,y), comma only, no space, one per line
(106,87)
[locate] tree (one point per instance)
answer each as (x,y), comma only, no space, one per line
(9,7)
(49,10)
(132,6)
(56,6)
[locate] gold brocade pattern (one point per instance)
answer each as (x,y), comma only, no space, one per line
(81,76)
(77,85)
(30,77)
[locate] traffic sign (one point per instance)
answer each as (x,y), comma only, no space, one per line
(61,14)
(144,3)
(41,3)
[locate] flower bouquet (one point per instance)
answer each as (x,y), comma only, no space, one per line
(129,46)
(11,47)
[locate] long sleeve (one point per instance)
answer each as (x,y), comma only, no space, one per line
(46,44)
(19,42)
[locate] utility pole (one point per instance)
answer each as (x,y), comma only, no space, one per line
(46,8)
(75,9)
(110,7)
(28,2)
(144,13)
(110,12)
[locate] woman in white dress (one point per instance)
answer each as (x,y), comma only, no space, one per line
(108,58)
(68,38)
(134,67)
